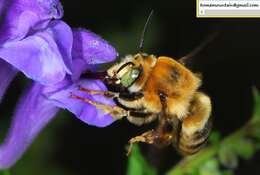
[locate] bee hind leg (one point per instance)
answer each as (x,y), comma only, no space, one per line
(152,137)
(147,137)
(115,111)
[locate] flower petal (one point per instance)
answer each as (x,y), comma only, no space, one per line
(32,114)
(7,73)
(62,34)
(92,48)
(39,57)
(20,16)
(85,112)
(80,66)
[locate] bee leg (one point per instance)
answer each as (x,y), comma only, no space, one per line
(164,135)
(151,137)
(107,94)
(196,126)
(115,111)
(147,137)
(110,94)
(137,120)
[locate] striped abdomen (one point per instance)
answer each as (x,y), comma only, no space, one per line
(196,126)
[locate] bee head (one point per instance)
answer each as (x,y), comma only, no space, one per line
(130,70)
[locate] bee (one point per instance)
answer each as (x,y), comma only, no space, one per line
(146,88)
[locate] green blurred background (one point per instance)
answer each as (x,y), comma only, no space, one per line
(230,67)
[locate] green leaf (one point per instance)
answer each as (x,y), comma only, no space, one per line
(210,167)
(137,165)
(227,156)
(255,132)
(227,172)
(245,148)
(256,114)
(194,171)
(5,172)
(257,146)
(214,138)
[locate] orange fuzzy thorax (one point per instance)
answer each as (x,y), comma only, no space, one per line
(175,81)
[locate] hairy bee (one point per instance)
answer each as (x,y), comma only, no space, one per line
(147,88)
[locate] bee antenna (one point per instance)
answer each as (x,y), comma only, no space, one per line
(141,44)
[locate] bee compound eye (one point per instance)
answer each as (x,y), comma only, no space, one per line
(130,77)
(135,73)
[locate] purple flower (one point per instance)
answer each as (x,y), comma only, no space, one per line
(21,17)
(34,41)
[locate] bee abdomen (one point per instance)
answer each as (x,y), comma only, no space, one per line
(191,144)
(196,126)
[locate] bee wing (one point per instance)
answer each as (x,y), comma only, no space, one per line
(197,49)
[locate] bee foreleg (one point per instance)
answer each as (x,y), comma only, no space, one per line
(107,94)
(115,111)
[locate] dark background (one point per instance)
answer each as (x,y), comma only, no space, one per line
(229,64)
